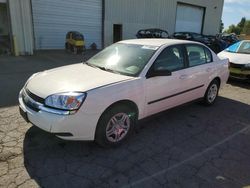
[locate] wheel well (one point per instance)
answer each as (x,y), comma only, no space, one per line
(127,103)
(217,79)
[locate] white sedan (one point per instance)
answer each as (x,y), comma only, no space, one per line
(103,98)
(239,58)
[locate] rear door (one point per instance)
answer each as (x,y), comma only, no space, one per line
(199,71)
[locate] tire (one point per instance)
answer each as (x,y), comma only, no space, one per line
(211,93)
(109,131)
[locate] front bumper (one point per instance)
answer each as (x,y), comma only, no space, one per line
(80,126)
(239,73)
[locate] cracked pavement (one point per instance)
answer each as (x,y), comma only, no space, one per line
(188,146)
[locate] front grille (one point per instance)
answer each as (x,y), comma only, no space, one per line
(35,97)
(240,76)
(239,66)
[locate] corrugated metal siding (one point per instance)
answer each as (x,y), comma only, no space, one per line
(53,19)
(139,14)
(21,25)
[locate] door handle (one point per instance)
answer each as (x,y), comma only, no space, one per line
(183,77)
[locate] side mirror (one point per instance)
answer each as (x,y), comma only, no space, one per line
(154,73)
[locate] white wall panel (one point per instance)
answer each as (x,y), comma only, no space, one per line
(21,25)
(189,18)
(53,19)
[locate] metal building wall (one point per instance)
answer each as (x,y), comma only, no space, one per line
(21,25)
(53,19)
(141,14)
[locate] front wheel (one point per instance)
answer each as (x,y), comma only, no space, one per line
(211,93)
(115,125)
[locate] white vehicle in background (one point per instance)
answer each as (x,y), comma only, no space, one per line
(103,98)
(239,58)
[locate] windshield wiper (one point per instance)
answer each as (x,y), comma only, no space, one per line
(109,70)
(102,68)
(91,65)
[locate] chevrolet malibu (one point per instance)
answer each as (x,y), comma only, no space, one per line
(103,98)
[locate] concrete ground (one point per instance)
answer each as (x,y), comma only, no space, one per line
(189,146)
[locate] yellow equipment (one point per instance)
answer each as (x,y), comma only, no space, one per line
(75,42)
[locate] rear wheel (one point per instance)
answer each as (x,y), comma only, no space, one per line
(211,93)
(115,125)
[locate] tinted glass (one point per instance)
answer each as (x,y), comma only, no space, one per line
(196,55)
(234,47)
(244,48)
(209,57)
(170,59)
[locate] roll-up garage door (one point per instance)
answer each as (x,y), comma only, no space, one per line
(53,19)
(189,18)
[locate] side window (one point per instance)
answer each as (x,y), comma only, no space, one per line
(196,55)
(209,57)
(170,59)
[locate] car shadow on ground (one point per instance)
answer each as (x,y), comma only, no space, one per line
(177,148)
(240,83)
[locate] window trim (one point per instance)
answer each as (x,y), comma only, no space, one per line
(203,47)
(182,48)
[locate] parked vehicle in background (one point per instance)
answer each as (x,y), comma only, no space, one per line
(239,58)
(75,42)
(192,36)
(152,33)
(103,98)
(228,38)
(217,44)
(213,42)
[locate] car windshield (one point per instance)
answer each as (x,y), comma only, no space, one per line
(121,58)
(244,48)
(240,47)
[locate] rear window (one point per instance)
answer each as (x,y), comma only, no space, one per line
(196,55)
(209,57)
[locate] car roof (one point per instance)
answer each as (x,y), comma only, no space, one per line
(157,42)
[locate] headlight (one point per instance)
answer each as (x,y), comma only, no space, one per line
(66,101)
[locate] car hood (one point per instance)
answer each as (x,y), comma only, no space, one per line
(236,58)
(77,77)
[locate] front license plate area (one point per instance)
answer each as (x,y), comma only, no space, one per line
(23,114)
